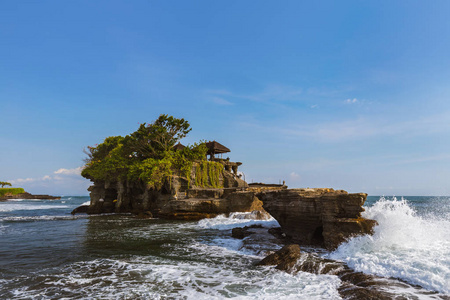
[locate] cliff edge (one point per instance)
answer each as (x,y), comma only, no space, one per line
(320,216)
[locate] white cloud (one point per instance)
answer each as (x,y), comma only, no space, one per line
(76,171)
(351,101)
(294,175)
(21,180)
(62,174)
(221,101)
(64,181)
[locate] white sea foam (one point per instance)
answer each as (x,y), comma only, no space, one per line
(404,245)
(86,203)
(43,218)
(14,206)
(154,278)
(20,200)
(223,222)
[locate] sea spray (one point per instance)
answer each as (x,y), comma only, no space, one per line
(404,245)
(14,207)
(237,219)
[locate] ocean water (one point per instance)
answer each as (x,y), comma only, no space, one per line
(46,253)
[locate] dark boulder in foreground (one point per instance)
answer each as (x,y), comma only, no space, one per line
(284,259)
(83,209)
(322,217)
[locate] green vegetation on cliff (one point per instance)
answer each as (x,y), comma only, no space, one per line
(148,155)
(12,191)
(207,174)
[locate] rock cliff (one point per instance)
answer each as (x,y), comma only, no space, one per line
(178,199)
(323,217)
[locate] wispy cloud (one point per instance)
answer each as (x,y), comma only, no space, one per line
(221,101)
(351,101)
(75,171)
(294,176)
(362,127)
(273,93)
(62,174)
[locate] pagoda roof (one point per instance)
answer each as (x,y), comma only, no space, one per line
(179,146)
(216,147)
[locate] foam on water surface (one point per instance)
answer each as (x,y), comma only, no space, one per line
(5,207)
(404,245)
(234,220)
(155,278)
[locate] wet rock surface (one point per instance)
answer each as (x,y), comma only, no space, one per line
(284,259)
(242,232)
(322,217)
(82,209)
(355,285)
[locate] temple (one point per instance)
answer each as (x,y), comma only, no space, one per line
(217,148)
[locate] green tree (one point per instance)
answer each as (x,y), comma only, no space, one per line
(145,155)
(4,183)
(153,140)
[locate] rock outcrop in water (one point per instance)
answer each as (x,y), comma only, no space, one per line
(284,259)
(29,196)
(355,285)
(177,199)
(322,217)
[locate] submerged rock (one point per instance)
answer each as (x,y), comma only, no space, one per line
(144,215)
(322,217)
(242,232)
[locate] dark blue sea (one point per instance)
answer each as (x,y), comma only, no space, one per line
(46,253)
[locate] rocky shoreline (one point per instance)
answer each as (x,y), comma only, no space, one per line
(29,196)
(319,217)
(355,285)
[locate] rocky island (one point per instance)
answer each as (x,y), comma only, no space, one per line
(19,193)
(149,174)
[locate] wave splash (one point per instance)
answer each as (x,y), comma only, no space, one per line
(236,219)
(404,245)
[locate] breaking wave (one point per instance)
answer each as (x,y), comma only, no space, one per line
(404,245)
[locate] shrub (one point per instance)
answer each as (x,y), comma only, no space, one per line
(12,191)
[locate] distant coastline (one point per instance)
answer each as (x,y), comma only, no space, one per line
(21,194)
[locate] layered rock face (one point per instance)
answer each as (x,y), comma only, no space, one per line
(176,200)
(198,208)
(323,217)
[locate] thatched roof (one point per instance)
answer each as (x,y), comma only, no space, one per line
(179,146)
(216,148)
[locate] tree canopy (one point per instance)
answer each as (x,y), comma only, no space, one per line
(145,155)
(4,183)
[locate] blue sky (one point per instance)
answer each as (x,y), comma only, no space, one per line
(351,95)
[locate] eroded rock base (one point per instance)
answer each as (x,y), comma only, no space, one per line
(320,217)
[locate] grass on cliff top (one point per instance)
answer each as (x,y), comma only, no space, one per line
(13,191)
